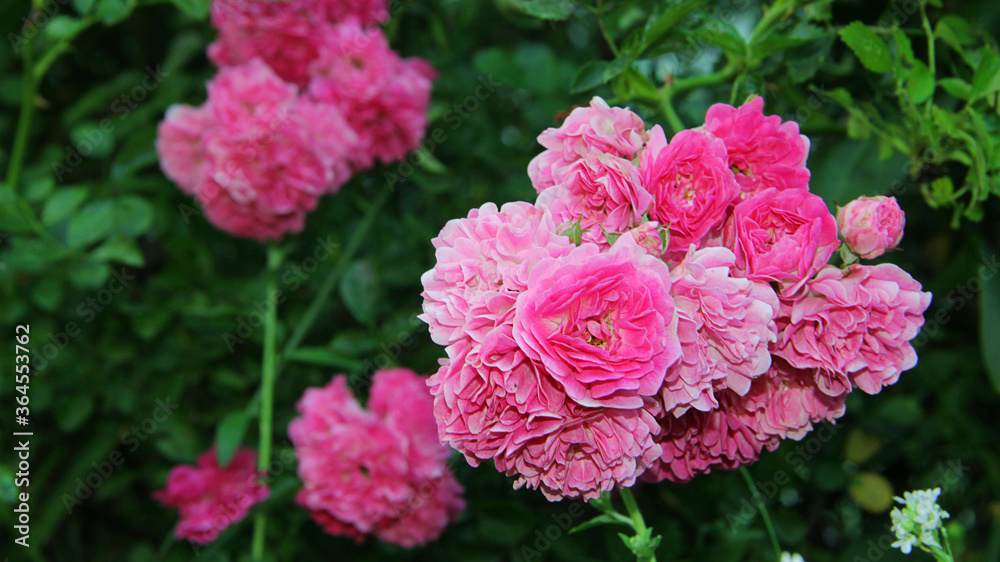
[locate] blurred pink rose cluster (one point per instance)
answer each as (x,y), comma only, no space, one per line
(378,471)
(308,93)
(664,308)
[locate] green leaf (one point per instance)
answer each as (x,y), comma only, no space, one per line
(603,519)
(546,9)
(92,223)
(660,24)
(956,87)
(359,292)
(870,49)
(71,414)
(955,32)
(986,72)
(83,6)
(589,76)
(920,85)
(871,491)
(62,204)
(112,12)
(133,215)
(989,323)
(904,47)
(197,9)
(229,435)
(61,27)
(721,33)
(120,248)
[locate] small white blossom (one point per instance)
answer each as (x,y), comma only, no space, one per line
(917,523)
(791,557)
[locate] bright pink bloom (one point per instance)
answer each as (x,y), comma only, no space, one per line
(853,328)
(763,151)
(384,98)
(599,128)
(871,225)
(211,498)
(282,34)
(724,325)
(783,236)
(517,415)
(262,158)
(179,142)
(601,324)
(691,183)
(484,260)
(600,192)
(367,472)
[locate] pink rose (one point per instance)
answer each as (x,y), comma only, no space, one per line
(383,98)
(210,497)
(519,416)
(600,192)
(379,471)
(483,263)
(599,128)
(784,236)
(601,324)
(854,328)
(763,151)
(794,403)
(179,144)
(871,225)
(724,323)
(691,183)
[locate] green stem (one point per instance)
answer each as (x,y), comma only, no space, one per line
(604,30)
(771,15)
(24,120)
(673,119)
(62,46)
(268,372)
(763,511)
(638,523)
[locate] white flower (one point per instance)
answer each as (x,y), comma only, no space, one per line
(918,522)
(791,557)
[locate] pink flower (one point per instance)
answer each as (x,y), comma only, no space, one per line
(179,142)
(763,151)
(255,156)
(483,262)
(871,225)
(517,415)
(783,236)
(854,328)
(794,403)
(724,323)
(691,183)
(598,128)
(601,324)
(374,472)
(210,497)
(282,34)
(725,437)
(600,192)
(384,98)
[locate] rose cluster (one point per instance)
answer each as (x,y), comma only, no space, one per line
(380,471)
(308,93)
(663,308)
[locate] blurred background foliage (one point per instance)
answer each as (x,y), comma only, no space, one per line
(91,206)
